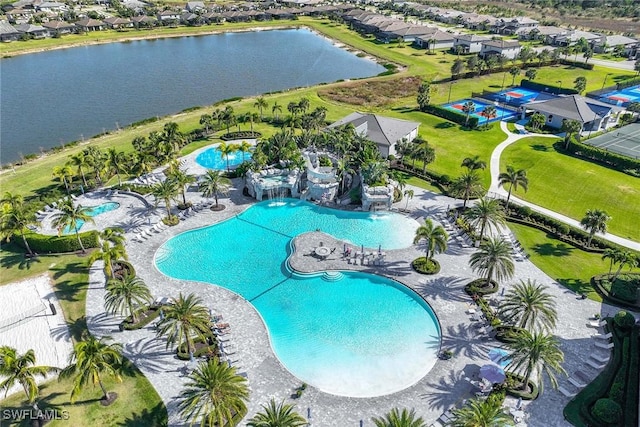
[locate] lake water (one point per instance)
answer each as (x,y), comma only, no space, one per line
(64,95)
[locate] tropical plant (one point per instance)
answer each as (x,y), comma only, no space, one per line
(515,72)
(64,174)
(531,74)
(480,413)
(15,218)
(182,180)
(277,415)
(109,253)
(214,395)
(117,163)
(489,112)
(424,95)
(514,178)
(486,213)
(276,109)
(244,147)
(473,163)
(80,161)
(624,259)
(226,150)
(213,184)
(126,296)
(185,318)
(466,186)
(536,352)
(468,108)
(493,259)
(166,191)
(457,67)
(115,235)
(595,221)
(530,306)
(434,236)
(261,104)
(570,127)
(612,254)
(537,120)
(397,418)
(70,216)
(423,151)
(409,195)
(580,84)
(207,121)
(21,369)
(90,359)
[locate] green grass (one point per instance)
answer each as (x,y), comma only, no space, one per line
(564,263)
(571,186)
(138,404)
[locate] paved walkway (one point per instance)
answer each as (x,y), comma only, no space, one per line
(441,389)
(494,189)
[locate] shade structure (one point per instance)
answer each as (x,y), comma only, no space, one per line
(493,373)
(496,355)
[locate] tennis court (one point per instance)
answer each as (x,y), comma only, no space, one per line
(479,106)
(515,96)
(622,97)
(625,141)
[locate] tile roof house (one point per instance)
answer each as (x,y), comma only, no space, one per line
(514,26)
(507,48)
(19,15)
(89,24)
(592,114)
(435,40)
(115,22)
(35,31)
(571,38)
(59,27)
(8,33)
(195,6)
(143,21)
(610,43)
(386,132)
(543,31)
(411,33)
(470,43)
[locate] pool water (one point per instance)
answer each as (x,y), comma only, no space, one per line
(212,158)
(93,211)
(348,333)
(501,113)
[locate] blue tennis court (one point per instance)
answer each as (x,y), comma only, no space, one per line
(501,113)
(622,97)
(515,96)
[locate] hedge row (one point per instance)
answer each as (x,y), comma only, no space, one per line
(524,394)
(58,244)
(618,162)
(628,297)
(240,135)
(149,313)
(541,87)
(458,118)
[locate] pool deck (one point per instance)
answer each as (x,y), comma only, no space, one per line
(445,385)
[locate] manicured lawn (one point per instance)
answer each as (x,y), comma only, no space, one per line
(571,186)
(562,262)
(138,404)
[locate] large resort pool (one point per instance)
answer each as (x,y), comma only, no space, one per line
(346,333)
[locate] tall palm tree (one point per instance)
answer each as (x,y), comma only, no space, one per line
(468,185)
(424,152)
(435,236)
(109,253)
(487,213)
(69,216)
(570,128)
(473,163)
(115,235)
(529,305)
(182,180)
(117,163)
(409,195)
(167,191)
(397,418)
(226,150)
(536,352)
(213,184)
(79,160)
(480,413)
(468,108)
(624,259)
(90,359)
(493,259)
(185,318)
(64,174)
(595,221)
(612,255)
(125,296)
(15,218)
(171,139)
(21,369)
(214,395)
(277,415)
(261,104)
(244,147)
(514,178)
(276,109)
(489,112)
(96,160)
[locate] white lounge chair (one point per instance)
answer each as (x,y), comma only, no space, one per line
(602,336)
(604,345)
(597,323)
(596,365)
(601,359)
(566,392)
(577,382)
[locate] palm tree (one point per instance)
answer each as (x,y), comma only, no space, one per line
(207,121)
(531,74)
(182,179)
(69,216)
(109,253)
(480,413)
(214,183)
(612,255)
(64,174)
(125,296)
(15,218)
(489,112)
(468,108)
(493,259)
(435,236)
(226,150)
(116,162)
(514,71)
(244,148)
(624,259)
(486,213)
(409,195)
(473,163)
(115,235)
(166,190)
(424,152)
(79,160)
(580,84)
(570,128)
(277,415)
(514,178)
(529,305)
(276,109)
(261,104)
(466,186)
(21,369)
(91,358)
(395,418)
(214,395)
(536,352)
(595,221)
(184,319)
(537,120)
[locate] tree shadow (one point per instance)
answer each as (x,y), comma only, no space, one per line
(405,109)
(72,267)
(465,339)
(444,125)
(147,353)
(555,250)
(13,257)
(76,328)
(540,147)
(452,386)
(154,417)
(68,291)
(576,285)
(449,288)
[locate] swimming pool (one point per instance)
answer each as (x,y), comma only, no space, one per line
(212,158)
(346,333)
(501,113)
(93,211)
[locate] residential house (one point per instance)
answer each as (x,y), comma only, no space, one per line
(448,16)
(59,27)
(470,43)
(386,132)
(474,21)
(195,6)
(19,15)
(507,48)
(51,7)
(115,22)
(89,24)
(514,26)
(385,31)
(571,38)
(594,115)
(604,44)
(191,19)
(169,16)
(287,13)
(8,33)
(35,31)
(136,5)
(543,33)
(435,40)
(412,33)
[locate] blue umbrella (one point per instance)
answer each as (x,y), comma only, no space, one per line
(493,373)
(497,356)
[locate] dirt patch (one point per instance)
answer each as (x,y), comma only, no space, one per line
(377,93)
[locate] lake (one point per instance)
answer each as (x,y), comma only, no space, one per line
(54,97)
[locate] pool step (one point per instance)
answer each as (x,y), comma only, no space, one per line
(332,276)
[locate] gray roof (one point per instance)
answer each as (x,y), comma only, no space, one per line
(415,30)
(574,107)
(30,28)
(617,40)
(473,38)
(502,44)
(57,25)
(6,28)
(379,129)
(549,30)
(438,36)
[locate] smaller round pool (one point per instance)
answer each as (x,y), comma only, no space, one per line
(94,211)
(212,158)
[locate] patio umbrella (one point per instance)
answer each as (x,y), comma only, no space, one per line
(493,373)
(496,355)
(379,248)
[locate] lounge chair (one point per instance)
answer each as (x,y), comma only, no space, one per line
(601,359)
(604,345)
(471,311)
(596,365)
(566,392)
(597,323)
(602,336)
(577,382)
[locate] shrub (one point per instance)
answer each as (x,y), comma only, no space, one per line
(451,116)
(607,411)
(617,391)
(145,316)
(201,350)
(59,244)
(171,220)
(624,320)
(426,266)
(240,135)
(514,380)
(479,287)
